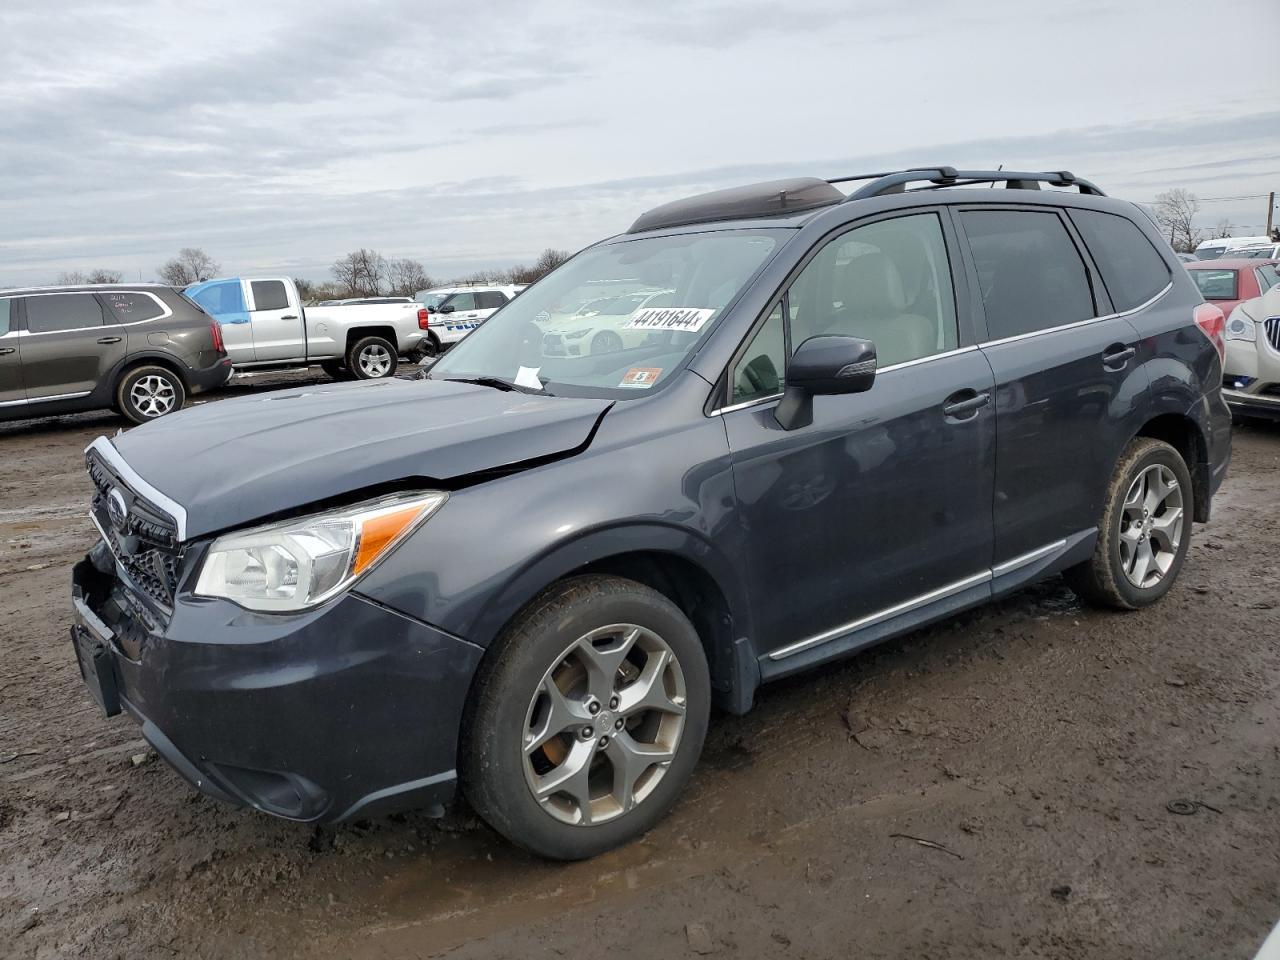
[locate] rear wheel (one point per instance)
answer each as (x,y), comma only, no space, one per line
(372,358)
(149,392)
(588,723)
(1144,532)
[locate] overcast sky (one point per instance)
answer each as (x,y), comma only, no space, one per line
(280,135)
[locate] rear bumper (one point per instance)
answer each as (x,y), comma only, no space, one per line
(210,378)
(350,710)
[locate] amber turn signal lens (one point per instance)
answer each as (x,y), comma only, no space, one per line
(378,532)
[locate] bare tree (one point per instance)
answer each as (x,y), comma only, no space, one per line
(104,276)
(70,278)
(362,272)
(191,265)
(1175,210)
(548,260)
(407,277)
(1223,229)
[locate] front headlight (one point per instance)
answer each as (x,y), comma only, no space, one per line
(302,563)
(1240,326)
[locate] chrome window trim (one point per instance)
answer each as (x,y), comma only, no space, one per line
(106,449)
(113,321)
(923,600)
(879,370)
(1078,323)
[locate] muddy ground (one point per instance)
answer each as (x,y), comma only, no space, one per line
(996,786)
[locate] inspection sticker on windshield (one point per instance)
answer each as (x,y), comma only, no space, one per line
(641,378)
(687,319)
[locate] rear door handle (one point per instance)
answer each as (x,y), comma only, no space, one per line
(1117,355)
(5,351)
(108,339)
(965,404)
(290,316)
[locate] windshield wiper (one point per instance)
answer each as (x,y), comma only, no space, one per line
(498,383)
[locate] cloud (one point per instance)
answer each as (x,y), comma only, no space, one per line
(281,135)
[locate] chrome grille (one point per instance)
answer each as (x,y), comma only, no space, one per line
(146,550)
(1272,326)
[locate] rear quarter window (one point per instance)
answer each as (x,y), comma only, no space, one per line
(1132,270)
(133,307)
(5,325)
(1216,284)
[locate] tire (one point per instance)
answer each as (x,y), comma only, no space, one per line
(372,358)
(1124,532)
(606,341)
(149,392)
(627,626)
(335,369)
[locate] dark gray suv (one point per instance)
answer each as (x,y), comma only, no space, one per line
(139,349)
(827,420)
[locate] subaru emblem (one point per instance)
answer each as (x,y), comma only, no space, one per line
(117,510)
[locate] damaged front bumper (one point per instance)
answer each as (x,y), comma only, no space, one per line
(348,710)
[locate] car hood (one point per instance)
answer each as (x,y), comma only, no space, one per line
(246,458)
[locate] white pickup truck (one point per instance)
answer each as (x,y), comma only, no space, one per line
(265,325)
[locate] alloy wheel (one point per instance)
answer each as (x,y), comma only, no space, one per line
(604,724)
(153,395)
(1151,526)
(375,361)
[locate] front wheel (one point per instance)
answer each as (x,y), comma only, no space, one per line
(588,721)
(372,358)
(146,393)
(1144,532)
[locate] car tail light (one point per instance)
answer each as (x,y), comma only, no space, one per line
(217,337)
(1213,324)
(423,319)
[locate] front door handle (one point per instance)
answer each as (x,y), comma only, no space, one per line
(965,404)
(5,351)
(1117,355)
(108,339)
(290,316)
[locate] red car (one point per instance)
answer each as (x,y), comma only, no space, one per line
(1224,283)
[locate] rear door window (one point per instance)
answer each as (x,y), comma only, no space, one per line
(1029,271)
(269,295)
(50,313)
(132,307)
(1216,284)
(1130,266)
(489,300)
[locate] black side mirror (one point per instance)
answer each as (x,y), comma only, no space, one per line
(824,365)
(447,308)
(431,309)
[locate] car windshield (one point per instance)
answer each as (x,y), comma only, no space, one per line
(617,319)
(1210,253)
(1253,253)
(1215,284)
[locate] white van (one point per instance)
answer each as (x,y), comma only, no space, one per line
(1263,248)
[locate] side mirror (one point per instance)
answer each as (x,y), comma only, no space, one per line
(447,308)
(824,365)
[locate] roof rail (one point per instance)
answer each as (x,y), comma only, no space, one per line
(939,177)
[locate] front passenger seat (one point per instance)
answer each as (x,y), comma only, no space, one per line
(874,307)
